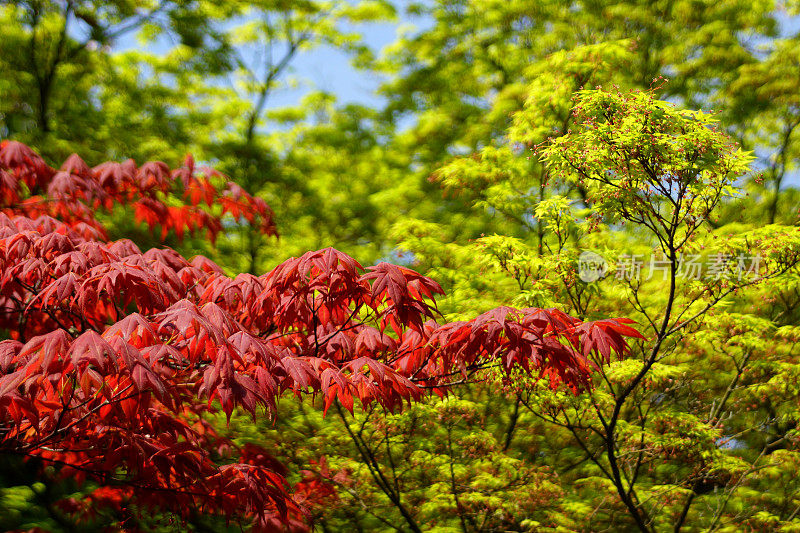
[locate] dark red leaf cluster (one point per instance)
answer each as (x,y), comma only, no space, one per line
(114,355)
(73,192)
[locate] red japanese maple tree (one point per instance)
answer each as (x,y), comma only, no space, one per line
(112,355)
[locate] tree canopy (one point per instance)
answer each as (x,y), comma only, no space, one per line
(173,357)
